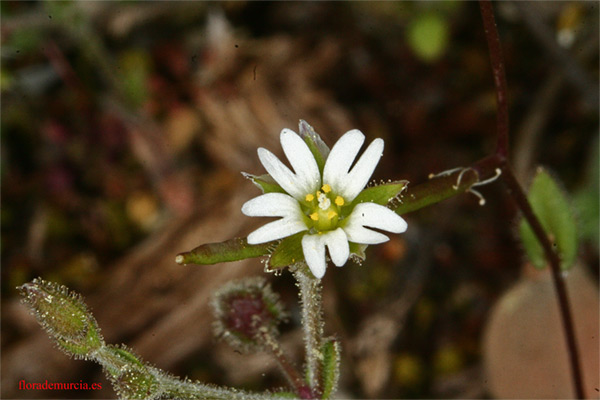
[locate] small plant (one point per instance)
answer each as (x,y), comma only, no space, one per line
(327,212)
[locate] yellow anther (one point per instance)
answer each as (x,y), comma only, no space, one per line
(318,193)
(331,214)
(309,197)
(326,188)
(339,200)
(314,216)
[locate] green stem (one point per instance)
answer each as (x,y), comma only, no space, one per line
(174,388)
(444,186)
(312,324)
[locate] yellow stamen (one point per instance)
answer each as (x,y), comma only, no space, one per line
(318,193)
(326,188)
(314,216)
(309,197)
(339,200)
(331,214)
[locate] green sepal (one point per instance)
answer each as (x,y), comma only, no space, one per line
(288,252)
(550,205)
(265,183)
(382,194)
(229,250)
(331,351)
(358,250)
(317,146)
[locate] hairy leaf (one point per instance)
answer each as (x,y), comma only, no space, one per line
(550,205)
(331,366)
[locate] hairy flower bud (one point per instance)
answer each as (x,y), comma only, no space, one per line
(247,313)
(131,378)
(64,316)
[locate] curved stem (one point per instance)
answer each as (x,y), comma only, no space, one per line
(559,283)
(290,372)
(518,195)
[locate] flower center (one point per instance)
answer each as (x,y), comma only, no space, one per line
(323,209)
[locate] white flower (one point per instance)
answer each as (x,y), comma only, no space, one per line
(315,200)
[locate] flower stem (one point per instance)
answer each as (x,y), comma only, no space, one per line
(559,283)
(289,371)
(493,40)
(312,324)
(515,190)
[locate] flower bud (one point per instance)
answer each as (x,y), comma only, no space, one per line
(131,378)
(247,313)
(64,316)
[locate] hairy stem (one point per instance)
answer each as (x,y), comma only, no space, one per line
(174,388)
(518,195)
(290,372)
(312,324)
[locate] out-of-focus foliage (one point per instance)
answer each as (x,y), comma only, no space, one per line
(550,205)
(428,36)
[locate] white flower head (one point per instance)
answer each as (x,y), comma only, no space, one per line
(317,195)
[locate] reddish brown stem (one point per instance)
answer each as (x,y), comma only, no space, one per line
(493,40)
(559,283)
(302,389)
(518,195)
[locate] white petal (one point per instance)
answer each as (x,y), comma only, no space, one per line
(357,179)
(282,174)
(337,243)
(302,160)
(341,157)
(314,254)
(375,216)
(378,216)
(272,205)
(276,230)
(359,234)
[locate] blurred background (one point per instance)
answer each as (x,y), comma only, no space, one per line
(125,126)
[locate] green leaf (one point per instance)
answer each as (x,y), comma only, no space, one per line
(265,183)
(551,207)
(331,350)
(428,36)
(381,194)
(229,250)
(288,252)
(316,145)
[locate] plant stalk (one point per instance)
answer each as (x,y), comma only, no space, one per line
(289,371)
(559,284)
(517,193)
(312,325)
(497,61)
